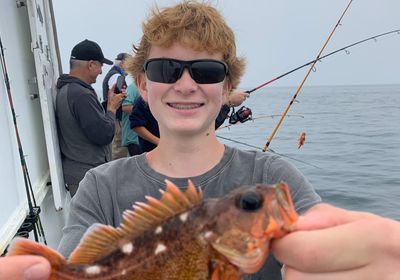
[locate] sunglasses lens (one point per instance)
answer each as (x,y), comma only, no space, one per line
(163,71)
(168,71)
(208,72)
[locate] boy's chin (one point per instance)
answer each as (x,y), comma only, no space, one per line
(190,128)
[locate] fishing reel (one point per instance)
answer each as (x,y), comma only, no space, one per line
(242,115)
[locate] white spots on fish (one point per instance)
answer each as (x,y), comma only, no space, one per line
(127,248)
(158,230)
(160,248)
(208,234)
(184,216)
(205,237)
(123,272)
(93,270)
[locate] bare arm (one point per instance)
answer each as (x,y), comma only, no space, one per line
(127,108)
(237,98)
(147,135)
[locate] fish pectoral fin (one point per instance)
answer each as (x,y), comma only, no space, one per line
(224,271)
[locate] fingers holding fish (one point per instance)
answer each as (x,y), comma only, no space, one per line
(318,251)
(324,216)
(24,267)
(359,248)
(353,274)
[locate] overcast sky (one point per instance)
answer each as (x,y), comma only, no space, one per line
(274,36)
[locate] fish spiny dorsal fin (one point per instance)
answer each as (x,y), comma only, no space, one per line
(195,196)
(99,241)
(102,240)
(148,215)
(180,201)
(176,196)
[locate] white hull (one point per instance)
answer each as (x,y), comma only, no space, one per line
(32,64)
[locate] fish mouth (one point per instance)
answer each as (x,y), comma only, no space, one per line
(251,261)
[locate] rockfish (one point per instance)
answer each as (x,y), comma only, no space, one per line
(302,140)
(180,236)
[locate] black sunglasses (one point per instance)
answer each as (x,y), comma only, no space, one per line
(202,71)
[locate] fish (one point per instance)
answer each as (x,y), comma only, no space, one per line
(301,140)
(179,236)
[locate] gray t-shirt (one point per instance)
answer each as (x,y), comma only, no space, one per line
(109,189)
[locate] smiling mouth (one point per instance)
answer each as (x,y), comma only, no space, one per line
(181,106)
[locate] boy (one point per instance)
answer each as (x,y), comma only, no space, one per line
(184,67)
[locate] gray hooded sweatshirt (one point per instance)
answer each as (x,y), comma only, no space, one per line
(85,130)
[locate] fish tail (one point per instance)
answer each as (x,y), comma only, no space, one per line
(24,246)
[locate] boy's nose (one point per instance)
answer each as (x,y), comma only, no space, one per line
(185,83)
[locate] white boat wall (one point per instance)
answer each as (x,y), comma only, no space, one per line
(30,66)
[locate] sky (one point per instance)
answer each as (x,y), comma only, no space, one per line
(274,36)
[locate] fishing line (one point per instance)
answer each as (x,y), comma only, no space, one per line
(260,117)
(305,78)
(345,49)
(270,150)
(32,221)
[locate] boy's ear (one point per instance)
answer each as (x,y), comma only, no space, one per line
(141,84)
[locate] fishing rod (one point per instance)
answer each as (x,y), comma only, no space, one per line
(32,221)
(305,78)
(236,115)
(345,48)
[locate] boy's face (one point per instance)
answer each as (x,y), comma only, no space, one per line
(184,106)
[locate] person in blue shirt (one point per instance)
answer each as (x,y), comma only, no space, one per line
(145,125)
(130,138)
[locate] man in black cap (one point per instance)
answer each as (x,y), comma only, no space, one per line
(118,151)
(85,130)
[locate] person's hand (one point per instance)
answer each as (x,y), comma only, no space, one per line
(332,243)
(237,98)
(114,100)
(24,268)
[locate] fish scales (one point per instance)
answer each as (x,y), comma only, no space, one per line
(180,236)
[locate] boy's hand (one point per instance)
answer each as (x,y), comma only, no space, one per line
(333,243)
(24,268)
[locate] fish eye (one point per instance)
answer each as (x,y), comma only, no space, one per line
(250,201)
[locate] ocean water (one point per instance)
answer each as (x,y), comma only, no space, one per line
(352,150)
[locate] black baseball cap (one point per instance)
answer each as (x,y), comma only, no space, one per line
(122,56)
(89,50)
